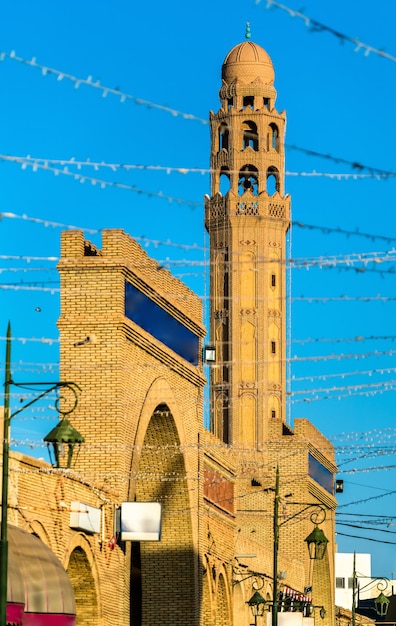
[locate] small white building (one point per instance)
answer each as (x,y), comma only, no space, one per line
(368,586)
(344,577)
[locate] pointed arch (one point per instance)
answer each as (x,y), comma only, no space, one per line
(81,576)
(161,476)
(222,604)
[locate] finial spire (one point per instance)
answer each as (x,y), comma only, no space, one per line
(247,33)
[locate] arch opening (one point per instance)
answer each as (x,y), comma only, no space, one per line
(224,135)
(83,583)
(250,136)
(248,180)
(273,182)
(161,477)
(225,182)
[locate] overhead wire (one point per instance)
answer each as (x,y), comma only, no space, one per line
(317,27)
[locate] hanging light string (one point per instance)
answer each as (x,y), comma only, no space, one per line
(49,164)
(303,342)
(327,230)
(355,165)
(321,262)
(103,184)
(90,82)
(317,27)
(41,286)
(187,116)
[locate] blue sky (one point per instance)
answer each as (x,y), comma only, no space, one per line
(339,102)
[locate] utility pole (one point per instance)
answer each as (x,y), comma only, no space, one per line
(275,555)
(353,622)
(4,488)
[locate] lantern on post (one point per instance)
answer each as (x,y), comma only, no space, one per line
(257,604)
(317,544)
(381,604)
(63,439)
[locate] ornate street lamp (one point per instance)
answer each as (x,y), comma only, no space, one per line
(257,605)
(317,544)
(316,540)
(63,439)
(61,435)
(381,604)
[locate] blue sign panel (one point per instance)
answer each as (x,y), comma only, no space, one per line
(160,324)
(321,474)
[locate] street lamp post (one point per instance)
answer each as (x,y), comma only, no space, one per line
(316,542)
(73,437)
(381,603)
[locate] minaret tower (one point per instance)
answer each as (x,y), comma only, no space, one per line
(247,217)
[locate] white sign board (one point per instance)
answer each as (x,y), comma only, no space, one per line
(84,517)
(140,521)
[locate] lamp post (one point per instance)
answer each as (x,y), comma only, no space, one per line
(381,603)
(74,437)
(316,542)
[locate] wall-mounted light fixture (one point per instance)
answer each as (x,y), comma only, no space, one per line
(209,354)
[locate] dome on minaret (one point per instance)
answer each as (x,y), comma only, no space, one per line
(246,62)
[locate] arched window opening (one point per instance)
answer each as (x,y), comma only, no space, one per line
(230,103)
(273,137)
(273,280)
(250,136)
(248,101)
(223,137)
(248,179)
(272,181)
(273,413)
(266,102)
(225,182)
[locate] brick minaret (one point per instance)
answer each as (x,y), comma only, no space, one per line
(247,217)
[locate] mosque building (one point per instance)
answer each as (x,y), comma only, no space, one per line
(238,501)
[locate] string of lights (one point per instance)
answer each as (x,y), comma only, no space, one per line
(294,359)
(187,116)
(390,432)
(333,393)
(355,165)
(382,386)
(103,184)
(317,27)
(49,164)
(322,262)
(39,286)
(308,340)
(327,230)
(240,451)
(90,82)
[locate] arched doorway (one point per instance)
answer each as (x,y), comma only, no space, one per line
(82,580)
(163,574)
